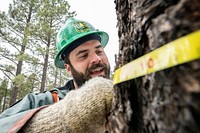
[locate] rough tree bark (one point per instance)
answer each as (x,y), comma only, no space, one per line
(166,101)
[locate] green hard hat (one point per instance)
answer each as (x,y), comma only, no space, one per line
(72,30)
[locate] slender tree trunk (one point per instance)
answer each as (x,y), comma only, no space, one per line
(4,100)
(15,89)
(46,59)
(45,67)
(1,110)
(55,78)
(44,73)
(60,77)
(165,101)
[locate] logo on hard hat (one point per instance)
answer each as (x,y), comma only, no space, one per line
(81,26)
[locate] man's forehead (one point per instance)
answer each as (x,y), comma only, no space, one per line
(92,44)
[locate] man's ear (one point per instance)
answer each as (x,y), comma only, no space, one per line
(68,68)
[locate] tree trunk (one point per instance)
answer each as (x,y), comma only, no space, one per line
(15,89)
(44,71)
(4,99)
(165,101)
(46,61)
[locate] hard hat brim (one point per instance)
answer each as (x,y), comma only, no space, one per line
(60,63)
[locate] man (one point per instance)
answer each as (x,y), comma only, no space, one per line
(85,107)
(85,45)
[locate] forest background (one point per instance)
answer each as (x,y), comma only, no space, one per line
(27,44)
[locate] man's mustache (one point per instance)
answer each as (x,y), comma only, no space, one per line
(96,66)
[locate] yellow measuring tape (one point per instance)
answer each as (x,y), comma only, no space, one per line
(180,51)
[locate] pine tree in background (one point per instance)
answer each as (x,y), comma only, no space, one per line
(4,92)
(27,48)
(50,16)
(15,32)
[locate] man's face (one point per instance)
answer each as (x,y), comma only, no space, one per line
(88,61)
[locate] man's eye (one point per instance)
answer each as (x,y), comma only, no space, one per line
(83,56)
(99,52)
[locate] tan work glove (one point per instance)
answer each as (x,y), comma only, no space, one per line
(81,111)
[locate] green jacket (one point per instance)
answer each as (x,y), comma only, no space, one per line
(13,118)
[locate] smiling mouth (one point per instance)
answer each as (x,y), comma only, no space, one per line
(97,72)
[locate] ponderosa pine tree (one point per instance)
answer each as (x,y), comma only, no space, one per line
(14,32)
(28,33)
(166,101)
(51,14)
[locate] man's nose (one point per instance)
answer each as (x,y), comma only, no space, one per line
(95,59)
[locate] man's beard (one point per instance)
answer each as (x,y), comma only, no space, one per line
(81,78)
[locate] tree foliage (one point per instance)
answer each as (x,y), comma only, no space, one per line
(50,16)
(4,94)
(27,47)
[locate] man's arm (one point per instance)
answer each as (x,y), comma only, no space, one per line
(82,110)
(19,113)
(30,101)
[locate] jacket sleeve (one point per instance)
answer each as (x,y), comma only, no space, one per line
(16,116)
